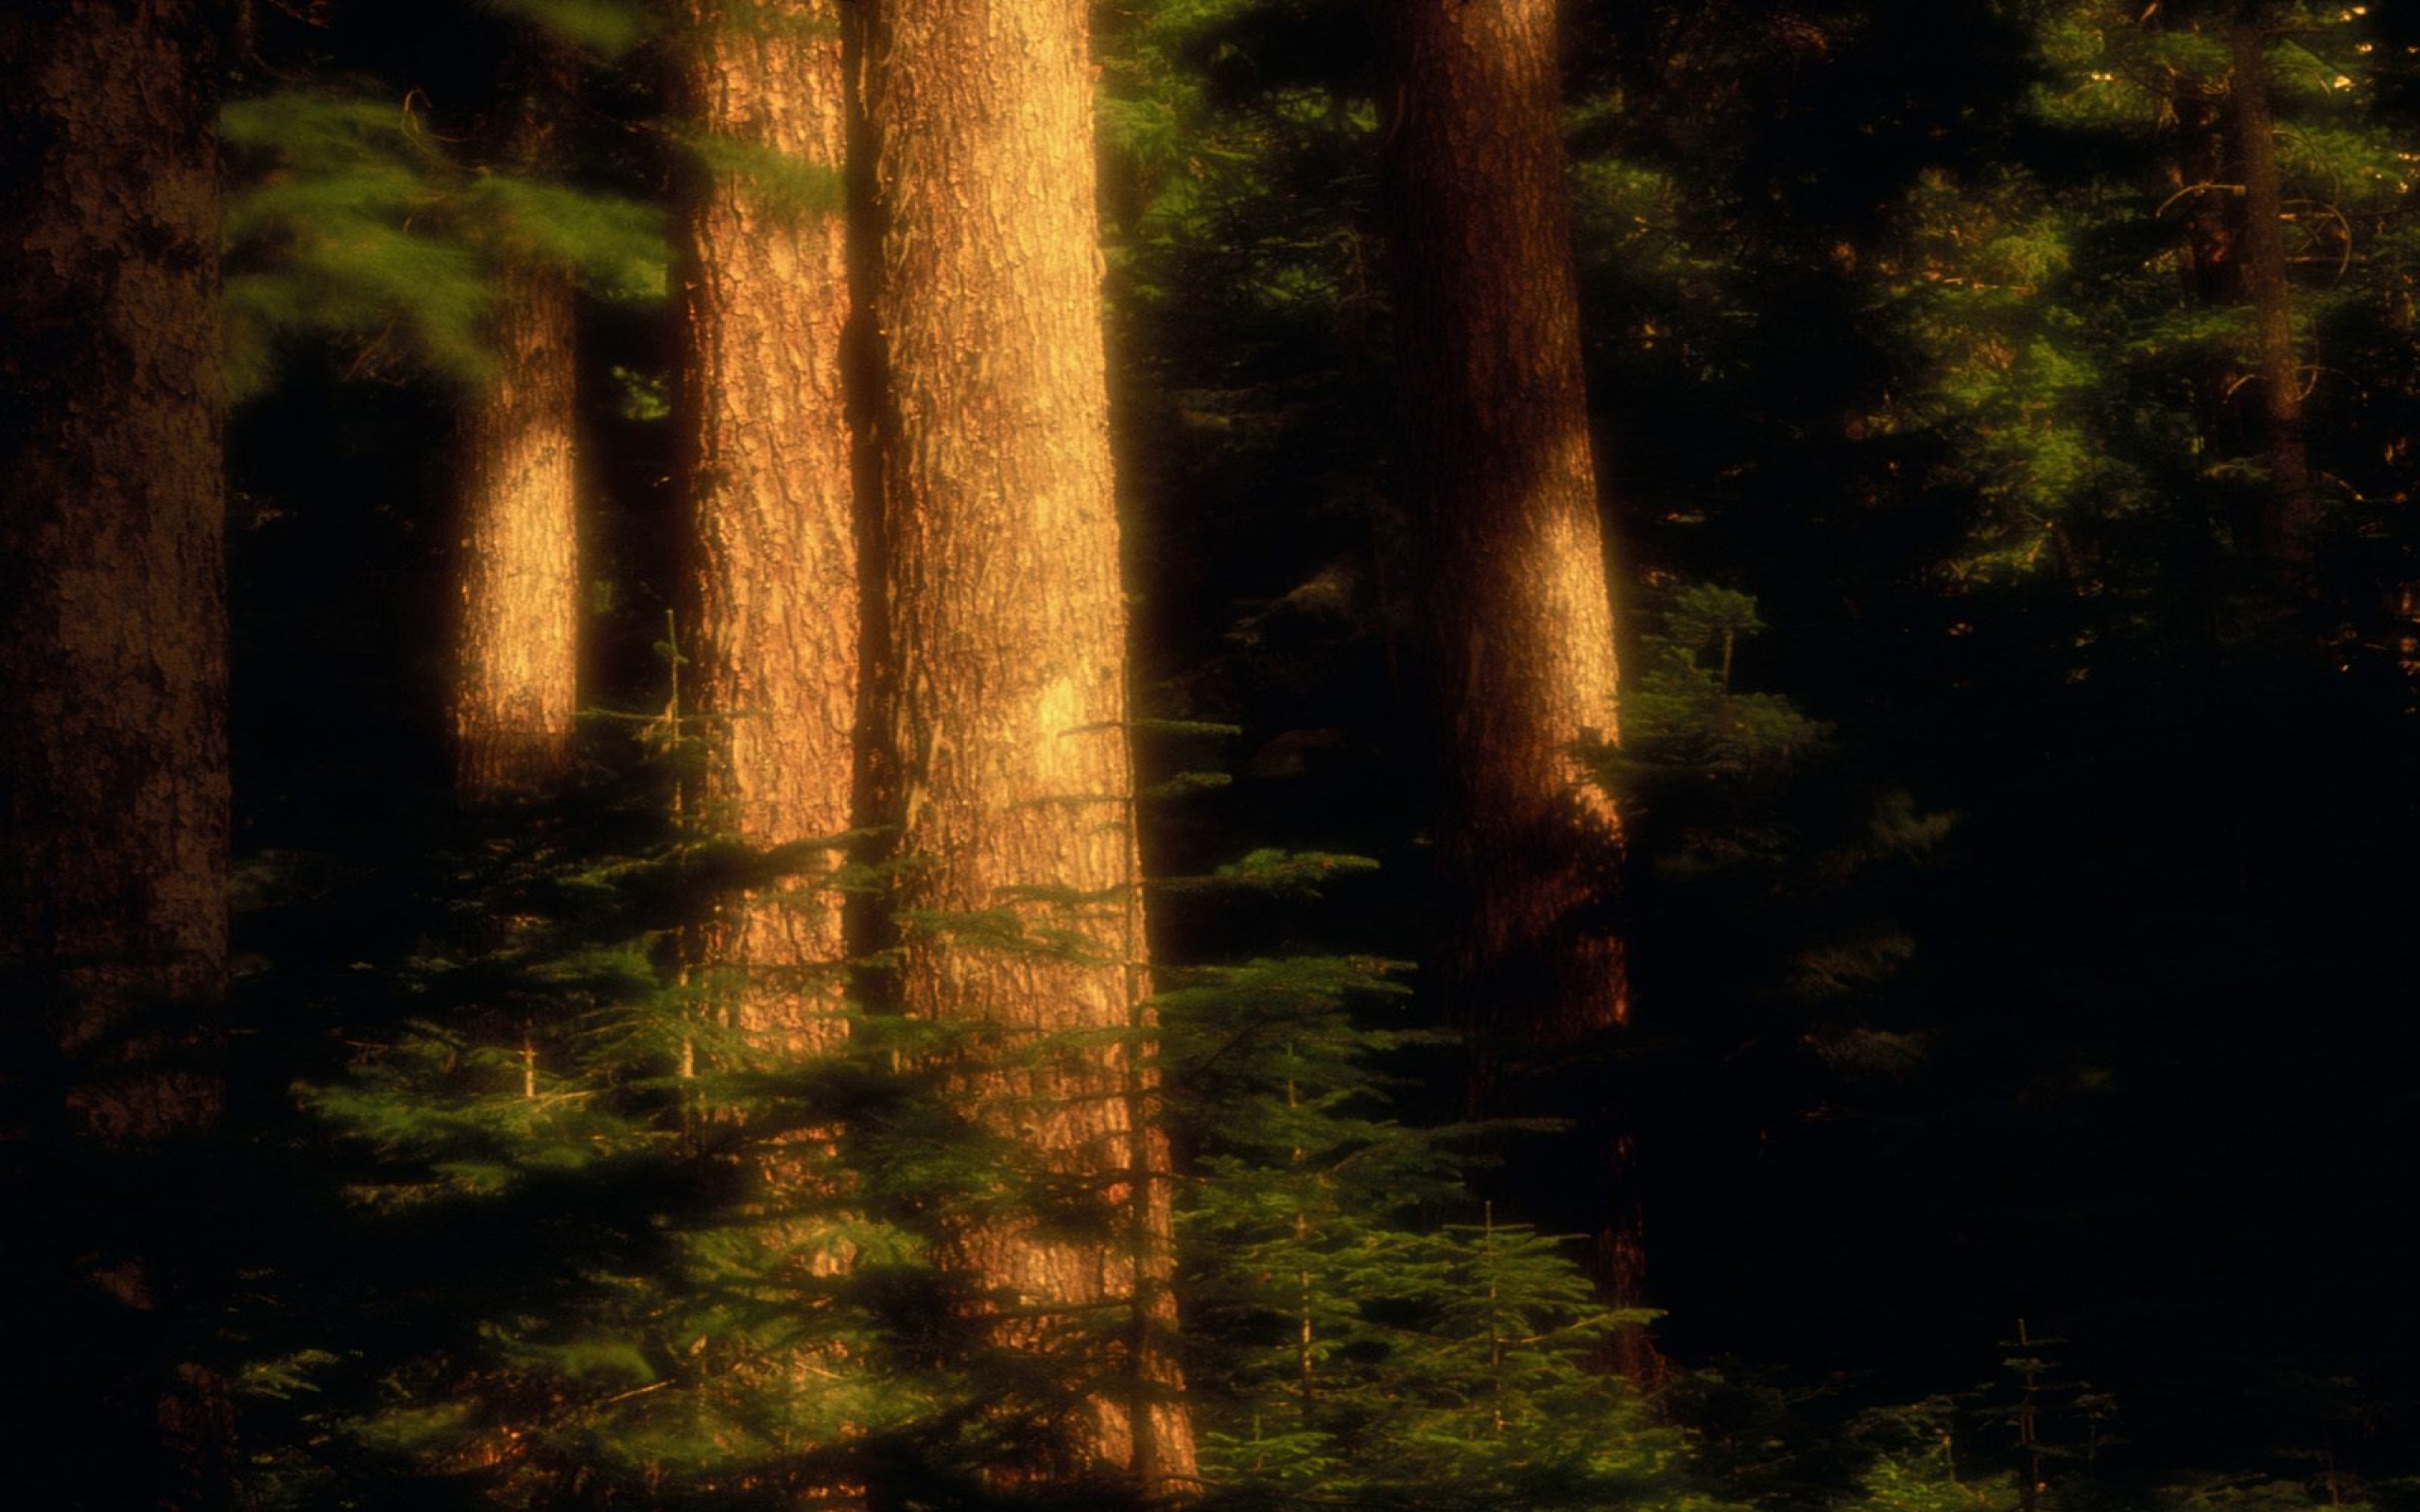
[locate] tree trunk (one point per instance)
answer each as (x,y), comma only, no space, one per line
(113,859)
(770,460)
(516,691)
(1516,614)
(1006,710)
(2287,515)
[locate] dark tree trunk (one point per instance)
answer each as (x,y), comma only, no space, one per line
(1007,717)
(113,755)
(1516,614)
(2286,514)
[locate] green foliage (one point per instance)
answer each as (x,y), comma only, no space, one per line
(565,1279)
(785,185)
(1276,873)
(1915,1467)
(1346,1348)
(564,1272)
(332,236)
(1682,711)
(2071,354)
(614,247)
(1772,879)
(640,396)
(1253,194)
(351,222)
(609,28)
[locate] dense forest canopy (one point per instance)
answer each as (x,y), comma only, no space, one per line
(1270,753)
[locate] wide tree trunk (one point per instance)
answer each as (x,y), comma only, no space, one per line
(1006,721)
(113,752)
(2286,514)
(770,461)
(1516,615)
(516,689)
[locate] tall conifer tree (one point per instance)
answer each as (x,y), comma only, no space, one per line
(113,855)
(1501,479)
(770,457)
(769,462)
(1007,713)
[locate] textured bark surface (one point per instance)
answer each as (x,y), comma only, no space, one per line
(1006,707)
(1517,616)
(771,482)
(771,622)
(1499,469)
(2287,516)
(114,860)
(516,691)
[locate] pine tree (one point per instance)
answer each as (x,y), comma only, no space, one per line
(113,886)
(1007,714)
(1349,1340)
(566,1241)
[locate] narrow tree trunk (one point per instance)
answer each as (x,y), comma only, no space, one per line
(113,752)
(2287,515)
(1517,618)
(770,464)
(772,628)
(1007,717)
(516,691)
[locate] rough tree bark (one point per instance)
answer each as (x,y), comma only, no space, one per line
(113,753)
(1005,717)
(1516,614)
(770,464)
(516,689)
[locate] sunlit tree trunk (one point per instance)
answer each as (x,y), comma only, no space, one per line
(2286,514)
(113,751)
(1008,704)
(517,690)
(1516,614)
(771,622)
(770,472)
